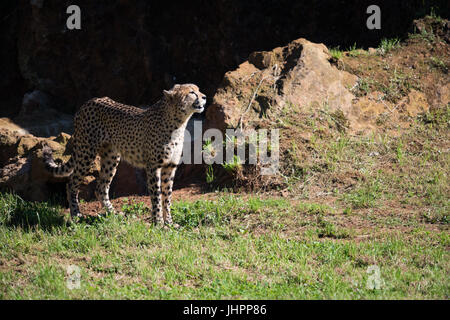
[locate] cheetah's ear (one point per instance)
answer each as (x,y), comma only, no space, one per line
(168,93)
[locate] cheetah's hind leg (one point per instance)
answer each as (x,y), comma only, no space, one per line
(81,169)
(109,162)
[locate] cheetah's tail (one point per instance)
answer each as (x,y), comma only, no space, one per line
(57,170)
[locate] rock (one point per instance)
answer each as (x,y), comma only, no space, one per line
(429,24)
(6,123)
(24,173)
(413,104)
(442,96)
(366,111)
(62,138)
(39,116)
(26,144)
(372,51)
(8,141)
(228,102)
(206,41)
(34,101)
(15,177)
(313,80)
(371,110)
(22,165)
(299,73)
(261,59)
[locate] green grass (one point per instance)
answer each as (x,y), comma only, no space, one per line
(364,196)
(17,212)
(363,172)
(424,35)
(438,63)
(233,165)
(210,174)
(335,53)
(387,45)
(353,51)
(135,208)
(363,86)
(231,248)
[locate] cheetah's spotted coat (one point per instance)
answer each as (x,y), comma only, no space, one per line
(151,139)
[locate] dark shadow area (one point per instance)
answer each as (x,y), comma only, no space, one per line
(15,212)
(264,103)
(131,50)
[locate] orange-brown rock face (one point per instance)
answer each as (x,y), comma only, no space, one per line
(299,74)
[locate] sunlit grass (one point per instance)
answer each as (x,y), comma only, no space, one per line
(227,248)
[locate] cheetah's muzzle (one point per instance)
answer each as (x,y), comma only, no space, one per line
(199,106)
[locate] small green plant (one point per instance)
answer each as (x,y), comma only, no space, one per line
(327,229)
(233,165)
(209,174)
(208,147)
(435,16)
(365,196)
(387,45)
(437,216)
(438,63)
(362,87)
(354,52)
(439,117)
(400,154)
(138,209)
(230,140)
(398,86)
(14,211)
(347,211)
(314,208)
(424,35)
(205,213)
(335,53)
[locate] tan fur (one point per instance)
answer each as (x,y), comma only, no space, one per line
(147,138)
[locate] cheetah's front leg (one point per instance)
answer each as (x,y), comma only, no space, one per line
(167,177)
(154,188)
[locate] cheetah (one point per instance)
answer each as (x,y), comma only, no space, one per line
(151,139)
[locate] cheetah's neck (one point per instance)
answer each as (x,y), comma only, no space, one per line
(171,114)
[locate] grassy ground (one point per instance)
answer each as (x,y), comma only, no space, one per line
(354,206)
(355,216)
(231,247)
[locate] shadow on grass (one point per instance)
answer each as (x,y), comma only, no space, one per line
(16,212)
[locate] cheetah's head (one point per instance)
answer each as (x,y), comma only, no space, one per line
(187,96)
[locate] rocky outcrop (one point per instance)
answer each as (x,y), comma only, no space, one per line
(369,110)
(302,76)
(430,25)
(128,52)
(22,167)
(299,74)
(39,115)
(132,50)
